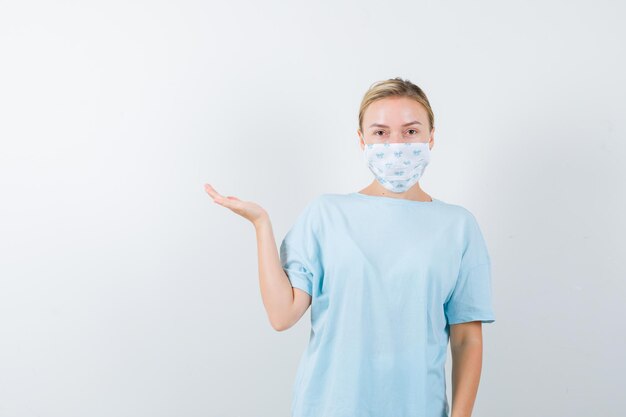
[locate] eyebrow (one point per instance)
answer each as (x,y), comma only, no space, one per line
(406,124)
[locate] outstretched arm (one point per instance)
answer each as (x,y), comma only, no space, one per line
(284,304)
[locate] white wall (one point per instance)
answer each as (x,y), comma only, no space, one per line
(124,291)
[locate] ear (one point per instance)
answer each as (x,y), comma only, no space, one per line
(431,141)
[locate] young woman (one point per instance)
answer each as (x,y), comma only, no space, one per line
(391,275)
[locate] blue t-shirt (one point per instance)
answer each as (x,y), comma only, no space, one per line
(387,277)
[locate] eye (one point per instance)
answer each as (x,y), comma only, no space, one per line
(412,130)
(376,132)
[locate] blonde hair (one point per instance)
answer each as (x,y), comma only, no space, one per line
(395,87)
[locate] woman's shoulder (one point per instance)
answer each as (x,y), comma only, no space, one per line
(326,198)
(456,208)
(463,216)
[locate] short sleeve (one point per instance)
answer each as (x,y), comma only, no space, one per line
(300,250)
(471,298)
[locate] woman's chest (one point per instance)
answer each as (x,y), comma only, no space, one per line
(420,260)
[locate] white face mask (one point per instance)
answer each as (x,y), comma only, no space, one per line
(397,166)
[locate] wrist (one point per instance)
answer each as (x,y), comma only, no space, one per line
(262,222)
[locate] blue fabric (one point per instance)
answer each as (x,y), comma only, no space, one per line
(387,277)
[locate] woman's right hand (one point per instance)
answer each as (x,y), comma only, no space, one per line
(247,209)
(284,305)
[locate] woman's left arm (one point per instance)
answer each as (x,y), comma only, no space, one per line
(466,345)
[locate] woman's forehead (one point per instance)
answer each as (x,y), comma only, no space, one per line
(394,111)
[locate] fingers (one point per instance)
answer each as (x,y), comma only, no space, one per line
(211,191)
(217,197)
(232,204)
(230,201)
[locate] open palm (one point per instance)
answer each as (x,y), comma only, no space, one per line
(247,209)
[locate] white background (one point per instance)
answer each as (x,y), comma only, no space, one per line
(124,291)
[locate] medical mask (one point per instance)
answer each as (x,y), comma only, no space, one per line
(397,166)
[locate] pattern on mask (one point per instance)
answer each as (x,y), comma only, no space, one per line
(397,166)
